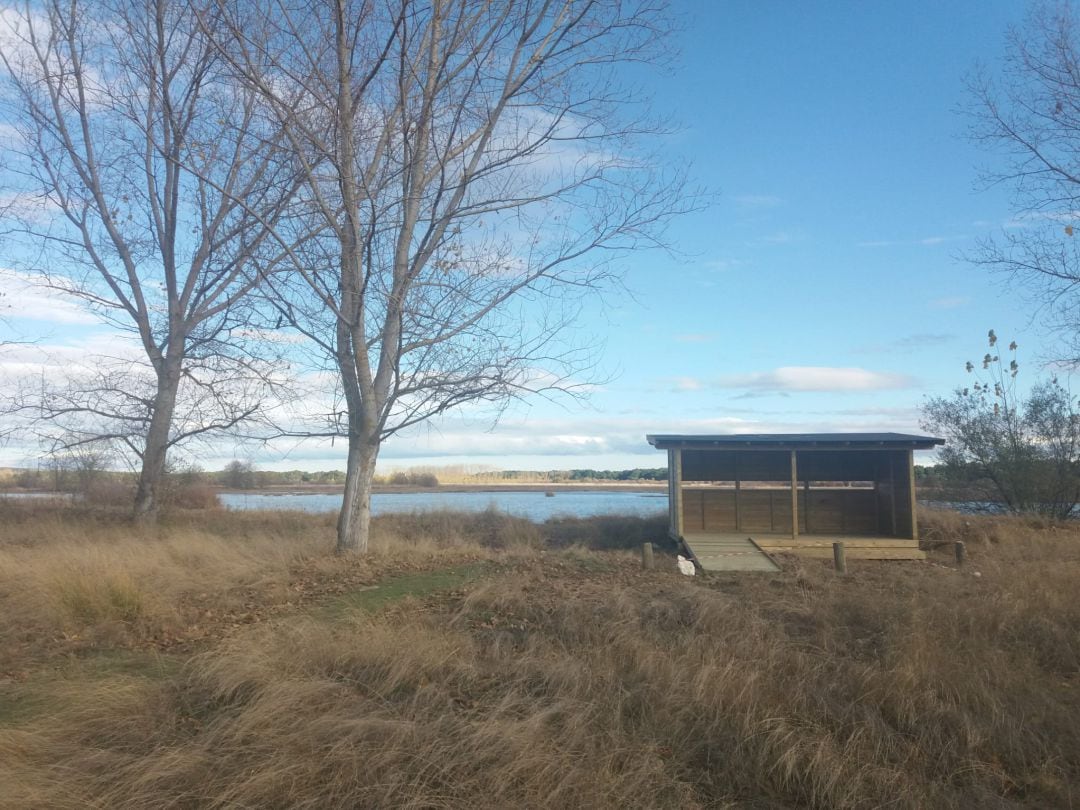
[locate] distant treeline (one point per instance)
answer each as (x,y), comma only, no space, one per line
(73,475)
(242,475)
(56,477)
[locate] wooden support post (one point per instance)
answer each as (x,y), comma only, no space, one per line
(738,489)
(646,556)
(892,492)
(839,559)
(961,551)
(911,494)
(677,500)
(806,504)
(877,496)
(794,497)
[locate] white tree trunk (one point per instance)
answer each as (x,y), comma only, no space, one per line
(354,520)
(155,453)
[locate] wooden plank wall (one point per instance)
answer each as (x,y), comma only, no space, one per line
(830,511)
(842,511)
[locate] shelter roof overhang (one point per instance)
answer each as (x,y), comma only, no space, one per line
(794,441)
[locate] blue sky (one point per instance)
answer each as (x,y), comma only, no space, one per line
(823,291)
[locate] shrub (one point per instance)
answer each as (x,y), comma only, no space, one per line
(606,532)
(91,598)
(196,496)
(1027,450)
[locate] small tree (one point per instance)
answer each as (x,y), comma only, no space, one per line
(79,469)
(239,475)
(152,181)
(1027,448)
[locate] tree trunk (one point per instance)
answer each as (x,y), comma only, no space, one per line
(155,452)
(354,520)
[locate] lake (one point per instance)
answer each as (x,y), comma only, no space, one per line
(532,505)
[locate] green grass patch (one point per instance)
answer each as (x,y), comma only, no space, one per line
(22,702)
(50,690)
(107,663)
(593,564)
(373,598)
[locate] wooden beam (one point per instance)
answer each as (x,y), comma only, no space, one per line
(794,496)
(911,494)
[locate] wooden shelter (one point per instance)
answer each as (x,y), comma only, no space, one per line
(732,496)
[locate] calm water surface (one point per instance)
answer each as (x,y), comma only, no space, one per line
(532,505)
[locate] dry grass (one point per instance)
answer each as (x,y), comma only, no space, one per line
(73,578)
(574,679)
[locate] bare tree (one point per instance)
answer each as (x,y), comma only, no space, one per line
(1029,110)
(474,171)
(155,181)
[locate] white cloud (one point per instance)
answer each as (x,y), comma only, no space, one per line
(25,297)
(909,343)
(816,379)
(28,207)
(695,337)
(1029,219)
(57,362)
(553,442)
(684,383)
(925,241)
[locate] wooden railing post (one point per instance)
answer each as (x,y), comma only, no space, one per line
(839,558)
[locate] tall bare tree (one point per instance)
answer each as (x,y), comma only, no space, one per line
(474,171)
(1029,111)
(155,182)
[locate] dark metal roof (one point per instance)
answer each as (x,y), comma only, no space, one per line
(836,441)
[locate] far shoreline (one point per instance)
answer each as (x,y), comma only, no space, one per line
(408,489)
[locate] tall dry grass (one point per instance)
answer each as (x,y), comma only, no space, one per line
(578,680)
(74,578)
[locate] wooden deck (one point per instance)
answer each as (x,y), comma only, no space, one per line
(857,547)
(736,552)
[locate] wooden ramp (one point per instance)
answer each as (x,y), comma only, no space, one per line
(728,552)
